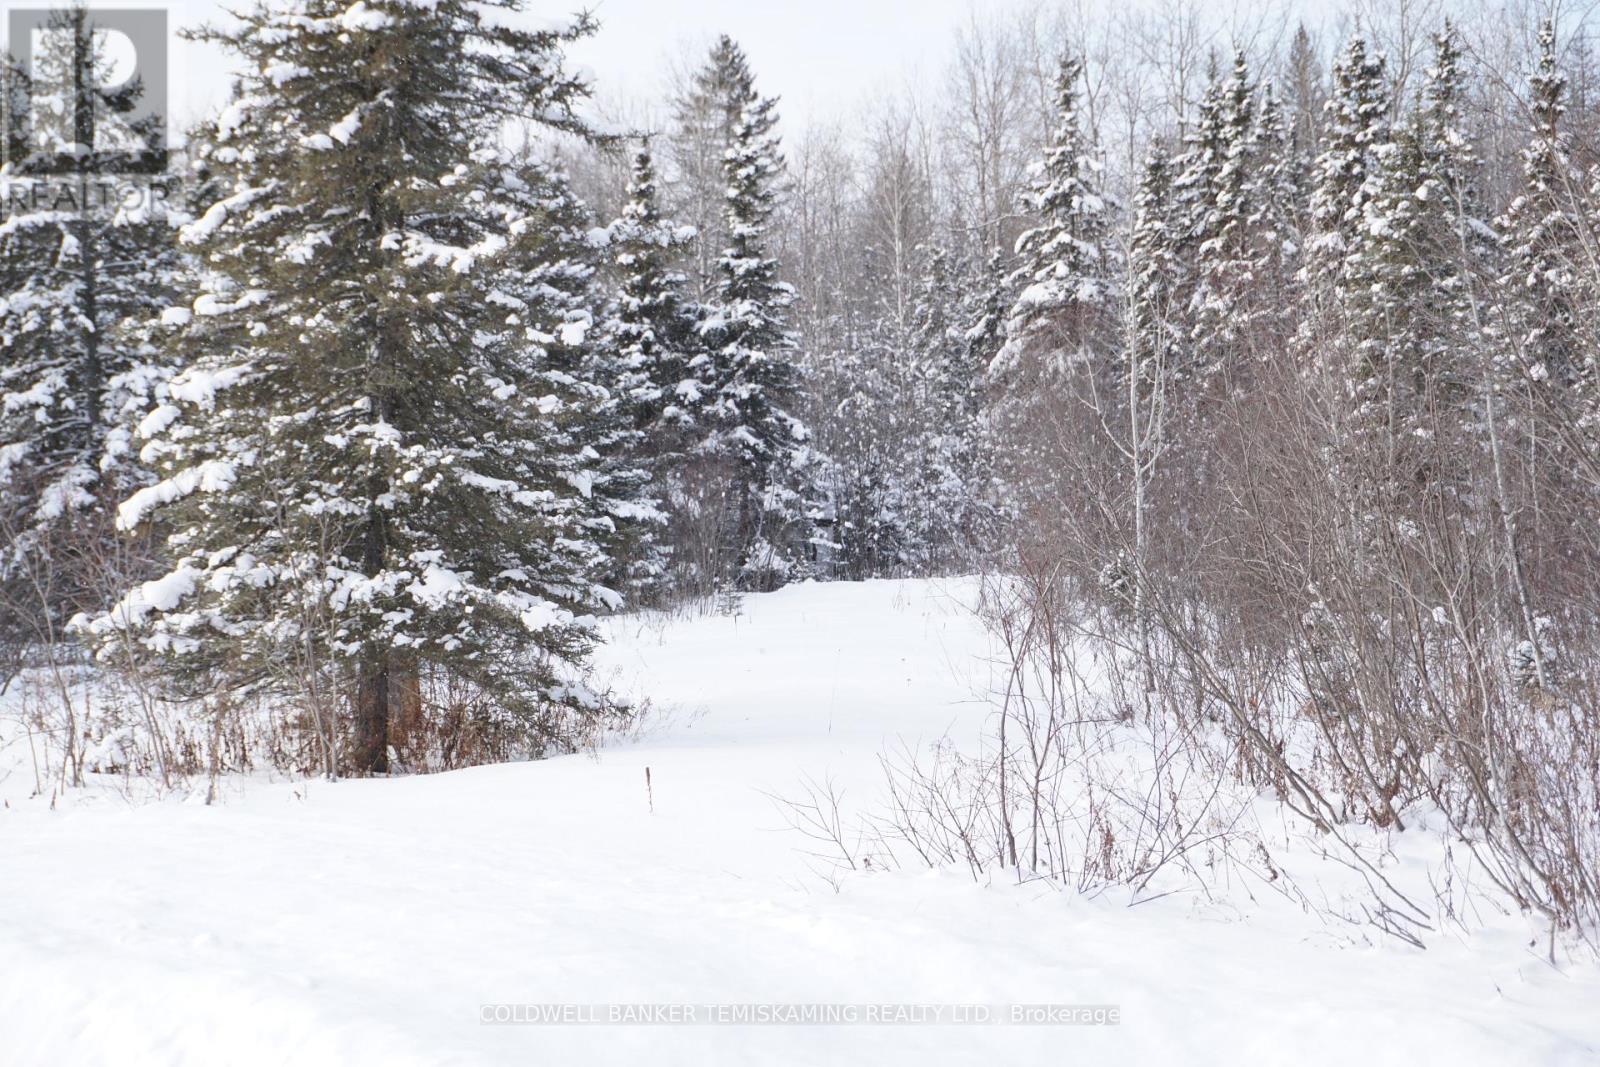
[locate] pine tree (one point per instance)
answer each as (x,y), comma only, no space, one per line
(1420,249)
(1155,349)
(705,118)
(1344,177)
(951,507)
(1304,98)
(1543,234)
(661,370)
(1068,272)
(85,254)
(374,465)
(756,372)
(1223,233)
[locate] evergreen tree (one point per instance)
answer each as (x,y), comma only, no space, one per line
(1543,234)
(1196,169)
(661,370)
(985,300)
(1344,177)
(1420,248)
(1156,346)
(1272,248)
(85,254)
(1068,271)
(1304,97)
(623,518)
(1223,231)
(756,374)
(951,506)
(705,118)
(652,324)
(873,457)
(374,464)
(1192,212)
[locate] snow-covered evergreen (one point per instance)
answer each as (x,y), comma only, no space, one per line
(661,368)
(755,369)
(1068,272)
(86,256)
(1344,177)
(1542,232)
(1276,206)
(1222,179)
(377,462)
(1420,250)
(1156,346)
(953,507)
(705,117)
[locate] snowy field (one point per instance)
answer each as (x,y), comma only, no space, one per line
(369,922)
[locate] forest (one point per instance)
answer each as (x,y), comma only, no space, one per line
(1253,360)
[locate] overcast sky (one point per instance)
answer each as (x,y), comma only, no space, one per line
(823,57)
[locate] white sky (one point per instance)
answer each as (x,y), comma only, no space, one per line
(823,57)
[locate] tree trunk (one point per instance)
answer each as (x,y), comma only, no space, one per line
(407,734)
(371,755)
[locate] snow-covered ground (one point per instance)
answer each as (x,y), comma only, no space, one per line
(369,922)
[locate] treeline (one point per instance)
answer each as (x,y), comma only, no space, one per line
(1316,444)
(359,411)
(1274,353)
(1277,359)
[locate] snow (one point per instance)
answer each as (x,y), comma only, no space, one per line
(371,922)
(206,226)
(209,477)
(200,385)
(437,585)
(158,594)
(359,16)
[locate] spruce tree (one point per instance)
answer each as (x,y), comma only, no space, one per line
(1303,98)
(1223,234)
(1419,251)
(1344,177)
(1274,196)
(951,506)
(705,118)
(86,254)
(1067,277)
(986,298)
(1196,169)
(652,323)
(1154,351)
(622,518)
(661,370)
(1544,234)
(375,463)
(873,454)
(1265,276)
(1192,214)
(756,376)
